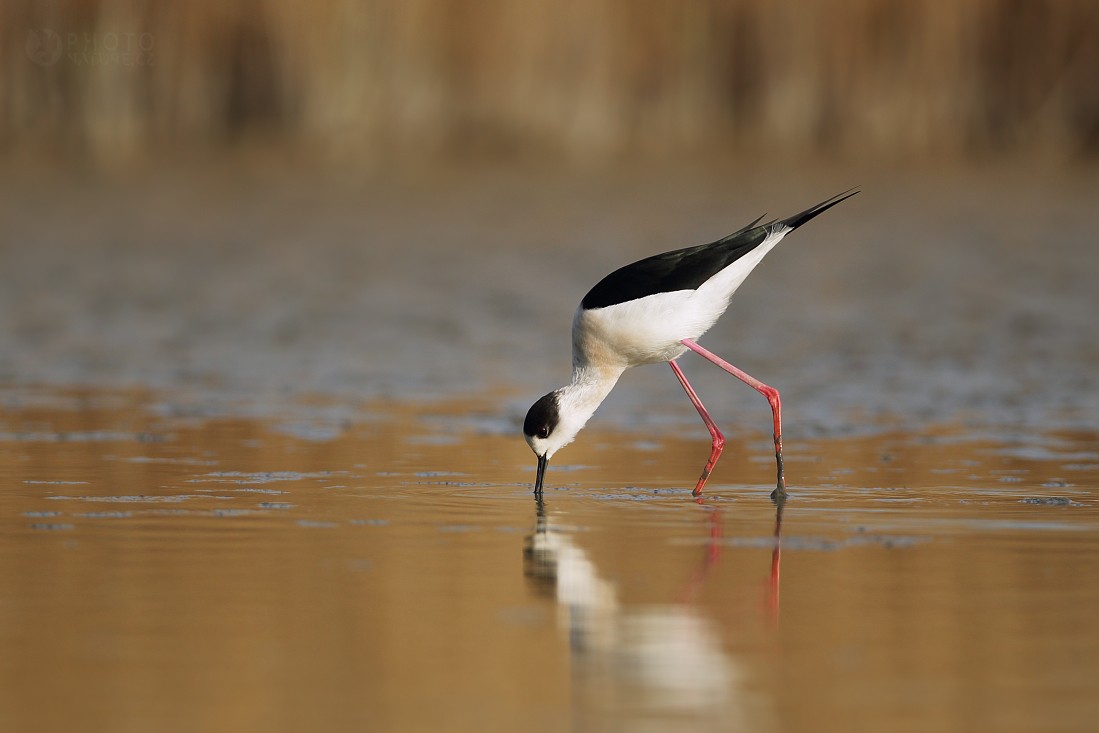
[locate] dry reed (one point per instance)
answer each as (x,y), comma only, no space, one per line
(574,77)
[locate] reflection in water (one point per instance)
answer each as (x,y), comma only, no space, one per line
(714,551)
(640,665)
(776,559)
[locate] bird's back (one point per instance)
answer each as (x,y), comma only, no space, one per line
(640,313)
(681,269)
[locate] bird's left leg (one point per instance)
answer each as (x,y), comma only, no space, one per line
(772,398)
(718,444)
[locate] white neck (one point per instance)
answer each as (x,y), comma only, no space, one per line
(589,387)
(579,399)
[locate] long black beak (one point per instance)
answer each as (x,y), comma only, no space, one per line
(542,463)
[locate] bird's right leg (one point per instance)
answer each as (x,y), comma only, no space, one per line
(779,494)
(718,444)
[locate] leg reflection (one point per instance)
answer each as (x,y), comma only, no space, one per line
(712,554)
(776,559)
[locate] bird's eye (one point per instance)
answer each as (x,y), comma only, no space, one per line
(543,432)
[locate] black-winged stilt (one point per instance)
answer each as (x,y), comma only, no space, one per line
(652,311)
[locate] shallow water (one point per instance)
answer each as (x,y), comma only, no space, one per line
(315,512)
(173,563)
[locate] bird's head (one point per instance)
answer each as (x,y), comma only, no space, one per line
(549,426)
(555,419)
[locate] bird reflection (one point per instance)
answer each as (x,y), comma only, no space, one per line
(650,661)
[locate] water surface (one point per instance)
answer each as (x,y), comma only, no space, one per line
(172,564)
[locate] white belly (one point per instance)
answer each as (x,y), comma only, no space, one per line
(643,331)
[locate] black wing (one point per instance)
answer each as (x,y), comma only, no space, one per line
(686,269)
(683,269)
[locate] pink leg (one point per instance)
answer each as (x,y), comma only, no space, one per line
(718,438)
(769,392)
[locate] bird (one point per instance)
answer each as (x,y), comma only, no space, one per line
(651,311)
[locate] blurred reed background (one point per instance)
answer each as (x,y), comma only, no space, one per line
(126,79)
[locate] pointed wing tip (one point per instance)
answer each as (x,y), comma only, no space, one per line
(798,219)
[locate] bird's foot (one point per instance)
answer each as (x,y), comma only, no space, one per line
(779,495)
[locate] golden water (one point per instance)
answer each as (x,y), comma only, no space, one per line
(171,567)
